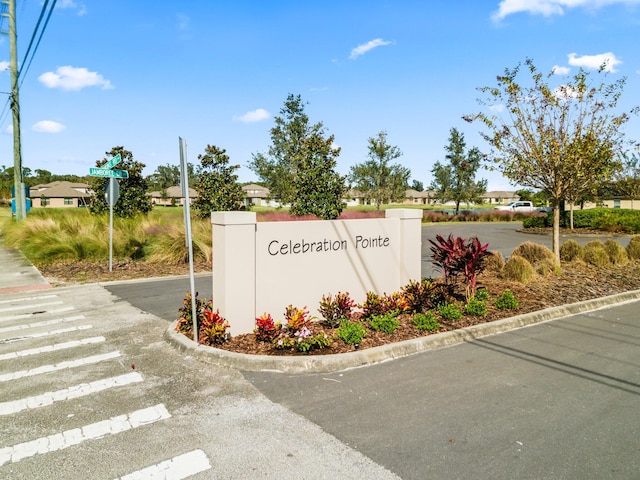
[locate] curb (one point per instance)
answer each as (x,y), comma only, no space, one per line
(371,356)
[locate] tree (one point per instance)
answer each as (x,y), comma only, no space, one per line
(457,181)
(626,182)
(417,185)
(299,169)
(217,185)
(163,177)
(133,199)
(557,139)
(377,179)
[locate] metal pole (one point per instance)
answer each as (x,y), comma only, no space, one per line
(15,107)
(111,202)
(187,224)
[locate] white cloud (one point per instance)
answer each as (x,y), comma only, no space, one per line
(595,61)
(48,126)
(549,8)
(558,70)
(70,4)
(253,116)
(497,108)
(72,78)
(183,21)
(9,130)
(4,65)
(365,47)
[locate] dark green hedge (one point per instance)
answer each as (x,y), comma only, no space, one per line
(606,219)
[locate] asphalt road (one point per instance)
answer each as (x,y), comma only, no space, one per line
(559,400)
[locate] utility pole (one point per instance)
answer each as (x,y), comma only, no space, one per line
(18,184)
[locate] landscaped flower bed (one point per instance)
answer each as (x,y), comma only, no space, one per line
(430,306)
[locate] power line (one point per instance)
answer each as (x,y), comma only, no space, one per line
(44,27)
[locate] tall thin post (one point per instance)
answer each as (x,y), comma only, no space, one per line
(19,198)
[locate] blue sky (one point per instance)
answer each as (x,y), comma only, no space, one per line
(140,73)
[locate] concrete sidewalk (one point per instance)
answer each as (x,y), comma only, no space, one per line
(17,274)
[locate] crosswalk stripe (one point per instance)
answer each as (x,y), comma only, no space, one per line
(22,316)
(48,333)
(51,348)
(76,391)
(59,366)
(34,306)
(45,323)
(177,468)
(28,299)
(60,441)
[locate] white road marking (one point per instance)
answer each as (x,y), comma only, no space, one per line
(51,348)
(28,299)
(36,306)
(47,398)
(46,334)
(22,316)
(54,321)
(177,468)
(60,441)
(59,366)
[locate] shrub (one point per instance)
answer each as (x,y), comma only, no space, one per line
(351,332)
(426,321)
(617,253)
(537,221)
(595,254)
(455,257)
(482,294)
(475,307)
(334,310)
(534,252)
(548,267)
(570,251)
(633,248)
(385,323)
(423,295)
(296,318)
(377,305)
(518,269)
(212,328)
(302,340)
(449,311)
(494,262)
(266,329)
(507,301)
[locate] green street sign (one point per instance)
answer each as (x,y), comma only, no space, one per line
(107,172)
(113,162)
(119,174)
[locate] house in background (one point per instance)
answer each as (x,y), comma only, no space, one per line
(171,197)
(257,195)
(499,197)
(60,194)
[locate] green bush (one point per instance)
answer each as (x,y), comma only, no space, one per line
(633,248)
(351,332)
(607,219)
(518,269)
(617,253)
(507,301)
(539,221)
(387,323)
(482,294)
(426,321)
(449,311)
(570,251)
(475,307)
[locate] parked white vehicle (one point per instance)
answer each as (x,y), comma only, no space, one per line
(519,206)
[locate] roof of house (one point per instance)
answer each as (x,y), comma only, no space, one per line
(173,192)
(499,194)
(60,189)
(256,191)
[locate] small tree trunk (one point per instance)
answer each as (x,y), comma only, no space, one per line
(571,216)
(556,231)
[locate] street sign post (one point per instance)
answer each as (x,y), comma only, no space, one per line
(112,193)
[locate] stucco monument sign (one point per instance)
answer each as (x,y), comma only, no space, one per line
(263,267)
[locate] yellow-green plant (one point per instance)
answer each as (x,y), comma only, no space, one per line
(617,253)
(518,269)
